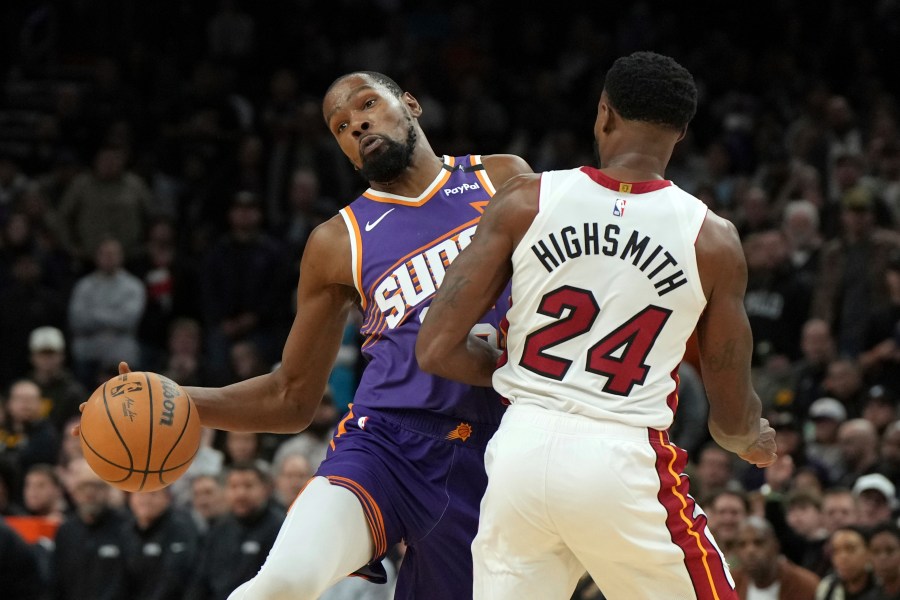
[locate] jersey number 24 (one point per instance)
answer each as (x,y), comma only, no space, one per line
(619,356)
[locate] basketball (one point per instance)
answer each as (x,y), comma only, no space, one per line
(140,431)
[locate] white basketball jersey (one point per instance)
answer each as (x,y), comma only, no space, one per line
(605,294)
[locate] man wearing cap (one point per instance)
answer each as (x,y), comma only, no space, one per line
(851,284)
(61,392)
(826,414)
(877,499)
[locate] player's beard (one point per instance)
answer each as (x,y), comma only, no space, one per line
(388,162)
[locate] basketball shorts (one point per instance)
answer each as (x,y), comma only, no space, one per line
(568,493)
(419,478)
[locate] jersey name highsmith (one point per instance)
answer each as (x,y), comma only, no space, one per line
(417,279)
(653,260)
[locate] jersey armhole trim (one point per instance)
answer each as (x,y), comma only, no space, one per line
(481,174)
(355,252)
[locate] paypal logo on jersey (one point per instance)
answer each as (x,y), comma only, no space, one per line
(461,188)
(418,278)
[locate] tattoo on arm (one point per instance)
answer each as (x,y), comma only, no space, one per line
(725,359)
(450,290)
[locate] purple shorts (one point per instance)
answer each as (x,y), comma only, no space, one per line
(420,478)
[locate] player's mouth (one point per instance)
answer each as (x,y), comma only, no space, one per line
(369,143)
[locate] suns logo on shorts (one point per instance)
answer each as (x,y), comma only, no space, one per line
(462,432)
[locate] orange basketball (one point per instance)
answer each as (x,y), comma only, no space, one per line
(140,431)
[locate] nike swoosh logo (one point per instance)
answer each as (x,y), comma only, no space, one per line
(371,226)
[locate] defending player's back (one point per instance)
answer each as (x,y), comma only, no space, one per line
(578,341)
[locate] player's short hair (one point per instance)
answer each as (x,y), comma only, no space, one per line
(379,78)
(650,87)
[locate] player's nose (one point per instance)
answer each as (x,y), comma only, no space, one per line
(360,127)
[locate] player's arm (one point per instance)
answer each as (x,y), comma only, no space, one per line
(471,286)
(502,167)
(726,345)
(286,399)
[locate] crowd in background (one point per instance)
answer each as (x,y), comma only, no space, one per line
(162,165)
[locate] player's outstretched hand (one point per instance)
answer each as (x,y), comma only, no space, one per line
(763,451)
(123,368)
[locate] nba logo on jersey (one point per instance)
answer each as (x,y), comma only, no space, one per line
(619,208)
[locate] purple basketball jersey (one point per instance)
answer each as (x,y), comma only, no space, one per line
(401,249)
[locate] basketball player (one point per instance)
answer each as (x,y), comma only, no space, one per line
(407,461)
(611,271)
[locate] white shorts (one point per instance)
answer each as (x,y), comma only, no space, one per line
(567,493)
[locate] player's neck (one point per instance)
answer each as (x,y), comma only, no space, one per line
(634,166)
(416,178)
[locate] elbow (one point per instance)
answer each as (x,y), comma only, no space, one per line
(427,354)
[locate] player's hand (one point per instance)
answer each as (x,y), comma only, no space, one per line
(76,430)
(763,452)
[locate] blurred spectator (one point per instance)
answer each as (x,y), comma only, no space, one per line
(827,415)
(714,471)
(879,408)
(207,461)
(88,561)
(9,487)
(884,549)
(689,429)
(851,283)
(26,436)
(291,472)
(726,510)
(775,300)
(852,576)
(880,358)
(306,209)
(876,498)
(858,441)
(313,441)
(246,361)
(754,212)
(244,284)
(243,447)
(170,281)
(160,547)
(237,545)
(800,225)
(20,574)
(839,509)
(25,303)
(818,351)
(765,572)
(804,517)
(61,392)
(185,361)
(207,501)
(231,32)
(843,381)
(43,494)
(889,465)
(104,312)
(107,202)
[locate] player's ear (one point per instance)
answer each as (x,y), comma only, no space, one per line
(605,117)
(414,107)
(682,134)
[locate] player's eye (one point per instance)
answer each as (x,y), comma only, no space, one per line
(369,103)
(341,127)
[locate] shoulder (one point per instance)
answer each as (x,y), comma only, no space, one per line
(328,253)
(500,167)
(718,235)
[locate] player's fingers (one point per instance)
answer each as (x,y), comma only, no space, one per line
(124,368)
(76,431)
(81,406)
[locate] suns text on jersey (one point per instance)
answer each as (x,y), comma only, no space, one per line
(417,279)
(650,258)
